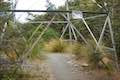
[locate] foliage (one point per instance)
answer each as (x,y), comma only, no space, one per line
(93,57)
(36,51)
(111,6)
(4,5)
(3,16)
(99,59)
(13,44)
(116,24)
(87,5)
(28,29)
(50,34)
(10,72)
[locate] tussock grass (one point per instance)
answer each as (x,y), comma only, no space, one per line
(56,45)
(79,50)
(99,59)
(96,59)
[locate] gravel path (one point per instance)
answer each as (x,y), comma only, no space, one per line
(63,69)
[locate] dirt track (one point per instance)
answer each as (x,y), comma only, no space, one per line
(63,69)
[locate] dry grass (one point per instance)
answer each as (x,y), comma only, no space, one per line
(79,50)
(76,49)
(55,45)
(99,59)
(100,75)
(116,76)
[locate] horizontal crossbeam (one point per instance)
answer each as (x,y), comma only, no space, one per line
(48,22)
(51,11)
(45,22)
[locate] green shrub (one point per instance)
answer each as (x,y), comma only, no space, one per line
(10,73)
(36,51)
(50,34)
(94,58)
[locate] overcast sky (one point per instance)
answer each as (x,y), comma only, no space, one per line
(34,4)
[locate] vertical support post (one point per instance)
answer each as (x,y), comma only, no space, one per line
(113,43)
(70,34)
(76,29)
(68,17)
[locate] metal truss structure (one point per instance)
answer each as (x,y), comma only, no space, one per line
(73,31)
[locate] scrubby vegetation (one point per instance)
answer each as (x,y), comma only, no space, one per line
(16,40)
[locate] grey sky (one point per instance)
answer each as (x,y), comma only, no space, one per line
(34,4)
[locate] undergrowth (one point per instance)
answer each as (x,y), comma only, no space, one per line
(55,45)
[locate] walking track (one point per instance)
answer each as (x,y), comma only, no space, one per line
(63,69)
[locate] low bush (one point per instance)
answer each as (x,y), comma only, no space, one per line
(36,51)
